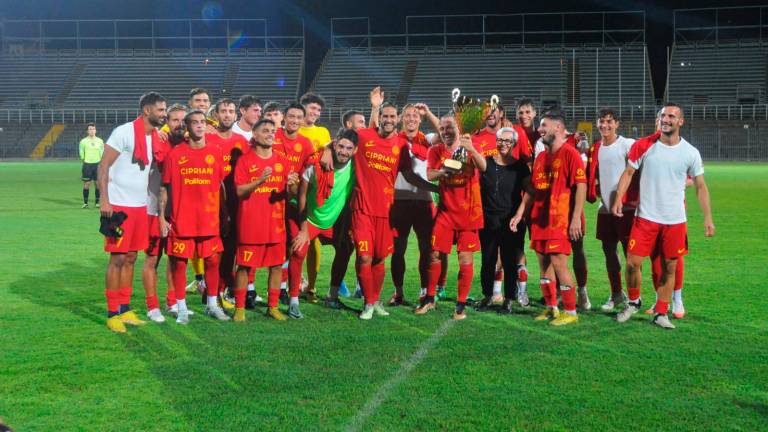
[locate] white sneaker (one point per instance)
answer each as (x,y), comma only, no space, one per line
(156,316)
(216,312)
(174,310)
(614,302)
(584,303)
(662,320)
(258,299)
(678,310)
(608,305)
(522,298)
(379,309)
(182,317)
(192,286)
(367,312)
(627,313)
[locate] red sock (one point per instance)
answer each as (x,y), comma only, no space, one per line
(294,274)
(284,275)
(152,302)
(498,276)
(125,295)
(377,272)
(435,267)
(569,297)
(113,301)
(365,277)
(614,278)
(212,275)
(240,297)
(661,307)
(522,273)
(170,297)
(634,294)
(679,271)
(179,271)
(464,284)
(550,297)
(273,296)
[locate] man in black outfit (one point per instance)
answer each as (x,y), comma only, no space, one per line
(501,185)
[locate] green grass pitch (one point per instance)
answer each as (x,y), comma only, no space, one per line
(62,370)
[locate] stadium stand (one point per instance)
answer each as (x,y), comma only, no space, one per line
(724,73)
(429,75)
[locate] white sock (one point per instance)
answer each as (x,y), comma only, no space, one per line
(182,305)
(497,287)
(250,287)
(573,312)
(422,292)
(677,296)
(294,300)
(212,303)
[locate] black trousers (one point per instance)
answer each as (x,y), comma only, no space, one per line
(495,242)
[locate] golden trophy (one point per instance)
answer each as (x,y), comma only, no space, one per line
(470,114)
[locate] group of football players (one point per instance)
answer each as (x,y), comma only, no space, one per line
(239,185)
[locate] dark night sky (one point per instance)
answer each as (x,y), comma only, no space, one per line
(385,18)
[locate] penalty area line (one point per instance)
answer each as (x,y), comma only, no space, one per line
(406,367)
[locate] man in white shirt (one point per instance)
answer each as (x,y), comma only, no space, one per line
(250,114)
(124,178)
(607,161)
(661,219)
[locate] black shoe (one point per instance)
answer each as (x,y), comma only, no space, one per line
(484,305)
(284,297)
(250,300)
(506,307)
(204,298)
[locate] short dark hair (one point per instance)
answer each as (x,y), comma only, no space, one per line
(605,112)
(225,101)
(150,98)
(309,97)
(198,90)
(248,101)
(347,116)
(555,114)
(272,106)
(525,101)
(262,121)
(674,105)
(387,105)
(295,106)
(191,113)
(90,124)
(349,134)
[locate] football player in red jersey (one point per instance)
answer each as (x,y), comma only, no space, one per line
(194,171)
(556,201)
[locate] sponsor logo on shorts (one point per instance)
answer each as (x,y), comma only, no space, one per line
(681,250)
(553,246)
(471,245)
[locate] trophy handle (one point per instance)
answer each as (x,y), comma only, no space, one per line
(455,95)
(494,101)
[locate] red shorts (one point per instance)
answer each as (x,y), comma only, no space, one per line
(260,255)
(444,236)
(135,228)
(416,214)
(614,229)
(156,241)
(646,237)
(551,246)
(193,247)
(372,235)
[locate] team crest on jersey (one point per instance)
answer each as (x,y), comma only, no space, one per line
(278,167)
(238,146)
(297,147)
(395,150)
(579,172)
(556,163)
(210,160)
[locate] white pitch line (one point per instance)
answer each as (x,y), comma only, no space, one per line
(405,368)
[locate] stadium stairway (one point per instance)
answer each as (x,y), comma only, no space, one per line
(47,140)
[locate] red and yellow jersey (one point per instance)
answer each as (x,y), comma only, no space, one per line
(261,215)
(460,199)
(419,145)
(231,148)
(553,178)
(485,142)
(298,151)
(195,177)
(377,162)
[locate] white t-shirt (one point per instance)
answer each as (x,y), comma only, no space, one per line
(538,148)
(406,191)
(127,182)
(662,180)
(245,133)
(611,163)
(153,189)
